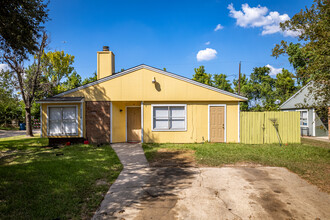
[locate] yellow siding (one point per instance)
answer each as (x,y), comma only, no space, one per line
(257,128)
(45,119)
(138,86)
(132,88)
(197,124)
(119,120)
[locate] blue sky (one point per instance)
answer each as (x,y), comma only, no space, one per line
(171,33)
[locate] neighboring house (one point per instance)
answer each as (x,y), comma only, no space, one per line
(141,104)
(310,122)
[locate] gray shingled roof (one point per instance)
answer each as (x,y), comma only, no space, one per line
(61,99)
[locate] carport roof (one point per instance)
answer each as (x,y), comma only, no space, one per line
(61,100)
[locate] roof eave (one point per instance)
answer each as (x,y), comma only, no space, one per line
(143,66)
(60,101)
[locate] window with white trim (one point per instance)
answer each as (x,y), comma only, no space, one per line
(169,118)
(303,118)
(63,120)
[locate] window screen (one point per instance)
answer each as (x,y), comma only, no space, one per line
(63,121)
(169,117)
(303,118)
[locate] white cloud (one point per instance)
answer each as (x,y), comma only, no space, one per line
(207,54)
(207,43)
(274,71)
(218,27)
(3,67)
(259,17)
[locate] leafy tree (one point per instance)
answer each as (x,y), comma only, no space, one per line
(284,85)
(57,65)
(244,91)
(9,103)
(313,26)
(72,81)
(28,82)
(21,25)
(220,81)
(244,82)
(201,76)
(297,58)
(9,107)
(90,79)
(260,90)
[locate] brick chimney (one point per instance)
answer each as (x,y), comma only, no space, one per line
(105,63)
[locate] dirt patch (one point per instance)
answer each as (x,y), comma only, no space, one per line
(161,192)
(173,158)
(101,182)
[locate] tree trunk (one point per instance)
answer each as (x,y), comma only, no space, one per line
(29,131)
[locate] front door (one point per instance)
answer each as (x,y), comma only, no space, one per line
(217,124)
(133,124)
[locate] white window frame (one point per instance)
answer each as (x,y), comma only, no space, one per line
(303,110)
(62,106)
(168,105)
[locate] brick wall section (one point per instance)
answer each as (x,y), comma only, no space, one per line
(98,121)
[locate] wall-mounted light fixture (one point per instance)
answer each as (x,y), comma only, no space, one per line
(154,80)
(120,110)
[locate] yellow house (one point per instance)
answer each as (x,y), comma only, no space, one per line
(141,104)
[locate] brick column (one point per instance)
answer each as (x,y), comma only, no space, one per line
(98,121)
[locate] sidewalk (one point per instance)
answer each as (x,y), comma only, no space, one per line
(128,188)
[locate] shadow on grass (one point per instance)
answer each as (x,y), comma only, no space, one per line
(41,185)
(139,184)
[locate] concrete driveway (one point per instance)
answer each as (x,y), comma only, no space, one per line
(212,193)
(6,133)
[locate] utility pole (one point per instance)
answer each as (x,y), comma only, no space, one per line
(239,79)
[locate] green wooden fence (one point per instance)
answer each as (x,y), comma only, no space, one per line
(260,127)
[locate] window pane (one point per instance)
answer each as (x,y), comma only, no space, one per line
(55,113)
(54,127)
(177,124)
(69,113)
(161,112)
(303,114)
(160,124)
(303,122)
(70,127)
(177,111)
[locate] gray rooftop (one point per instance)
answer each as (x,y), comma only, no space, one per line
(61,99)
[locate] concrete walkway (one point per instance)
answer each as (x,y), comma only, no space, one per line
(237,192)
(128,188)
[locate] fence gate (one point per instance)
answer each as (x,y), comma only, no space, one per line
(260,127)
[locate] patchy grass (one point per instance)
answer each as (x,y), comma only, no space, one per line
(38,182)
(311,163)
(22,142)
(9,128)
(316,143)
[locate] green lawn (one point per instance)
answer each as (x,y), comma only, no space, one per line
(38,182)
(9,128)
(310,162)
